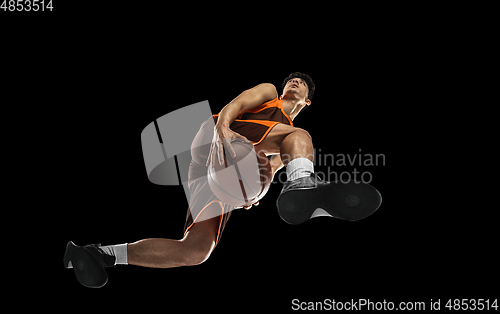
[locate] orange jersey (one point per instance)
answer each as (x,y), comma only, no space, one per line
(255,124)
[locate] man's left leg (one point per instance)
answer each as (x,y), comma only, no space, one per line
(295,148)
(304,195)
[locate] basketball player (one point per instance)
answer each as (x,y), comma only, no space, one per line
(258,115)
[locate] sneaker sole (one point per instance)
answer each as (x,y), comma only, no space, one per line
(347,201)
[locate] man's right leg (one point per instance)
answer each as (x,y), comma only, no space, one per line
(89,262)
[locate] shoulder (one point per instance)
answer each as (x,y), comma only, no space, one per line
(266,90)
(256,96)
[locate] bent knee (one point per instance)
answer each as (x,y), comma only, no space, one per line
(301,133)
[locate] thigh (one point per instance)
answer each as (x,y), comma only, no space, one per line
(205,231)
(202,141)
(209,223)
(271,144)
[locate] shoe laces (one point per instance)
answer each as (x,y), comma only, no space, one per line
(317,177)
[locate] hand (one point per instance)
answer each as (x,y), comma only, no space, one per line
(249,206)
(223,136)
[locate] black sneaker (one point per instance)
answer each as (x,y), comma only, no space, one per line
(306,198)
(88,263)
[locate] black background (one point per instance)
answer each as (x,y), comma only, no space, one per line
(103,75)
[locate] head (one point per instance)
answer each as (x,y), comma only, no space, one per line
(299,86)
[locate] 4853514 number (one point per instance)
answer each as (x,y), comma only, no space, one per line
(26,5)
(471,304)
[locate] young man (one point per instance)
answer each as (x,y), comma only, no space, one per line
(258,115)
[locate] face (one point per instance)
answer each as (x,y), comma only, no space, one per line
(297,87)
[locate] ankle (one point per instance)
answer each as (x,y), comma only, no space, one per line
(299,168)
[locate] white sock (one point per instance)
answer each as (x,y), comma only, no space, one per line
(299,168)
(119,251)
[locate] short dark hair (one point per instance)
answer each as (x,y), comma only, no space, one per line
(305,77)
